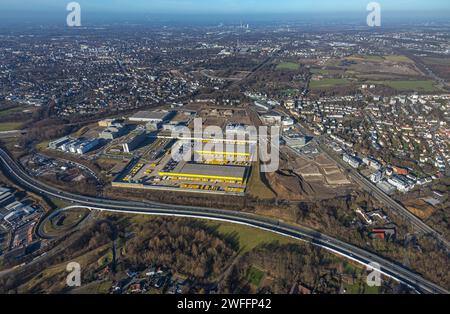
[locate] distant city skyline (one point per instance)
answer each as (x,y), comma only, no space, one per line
(223,6)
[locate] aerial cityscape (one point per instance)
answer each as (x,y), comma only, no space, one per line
(229,150)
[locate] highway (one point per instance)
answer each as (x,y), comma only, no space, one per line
(390,269)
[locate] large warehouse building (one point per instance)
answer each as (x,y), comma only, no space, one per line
(192,171)
(134,141)
(227,152)
(156,117)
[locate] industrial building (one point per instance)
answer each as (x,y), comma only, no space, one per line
(59,142)
(154,117)
(262,105)
(272,117)
(107,122)
(294,140)
(73,146)
(199,172)
(134,141)
(80,146)
(239,129)
(6,197)
(287,122)
(220,170)
(113,131)
(174,126)
(87,146)
(10,208)
(224,153)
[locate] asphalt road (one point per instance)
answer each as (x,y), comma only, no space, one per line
(388,268)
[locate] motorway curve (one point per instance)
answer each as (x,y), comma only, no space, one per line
(393,270)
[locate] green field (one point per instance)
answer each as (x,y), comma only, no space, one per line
(439,61)
(393,58)
(328,72)
(254,276)
(398,58)
(10,126)
(59,203)
(319,71)
(67,221)
(424,86)
(97,287)
(249,237)
(290,92)
(10,110)
(366,58)
(57,273)
(288,66)
(105,259)
(330,82)
(256,186)
(42,146)
(361,289)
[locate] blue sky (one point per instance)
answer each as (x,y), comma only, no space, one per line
(225,6)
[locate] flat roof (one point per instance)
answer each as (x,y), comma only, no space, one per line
(150,115)
(133,136)
(210,171)
(3,190)
(226,149)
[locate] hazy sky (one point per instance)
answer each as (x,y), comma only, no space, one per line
(224,6)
